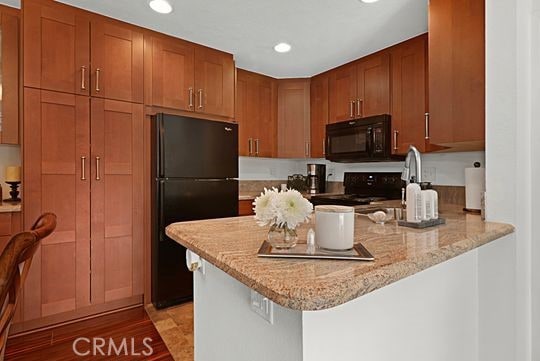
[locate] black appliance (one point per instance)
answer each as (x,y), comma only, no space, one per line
(360,140)
(362,188)
(316,178)
(194,171)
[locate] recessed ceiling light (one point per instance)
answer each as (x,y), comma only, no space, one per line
(282,48)
(160,6)
(369,1)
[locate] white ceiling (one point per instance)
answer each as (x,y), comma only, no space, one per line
(323,33)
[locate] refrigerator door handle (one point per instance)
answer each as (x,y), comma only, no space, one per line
(161,211)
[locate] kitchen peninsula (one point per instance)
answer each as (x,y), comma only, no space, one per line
(416,301)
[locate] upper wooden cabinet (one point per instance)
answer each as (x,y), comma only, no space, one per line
(319,114)
(117,61)
(360,89)
(294,118)
(409,93)
(457,74)
(9,75)
(172,73)
(256,112)
(61,55)
(214,82)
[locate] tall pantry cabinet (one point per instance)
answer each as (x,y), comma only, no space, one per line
(82,149)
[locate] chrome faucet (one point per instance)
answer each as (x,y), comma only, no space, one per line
(406,174)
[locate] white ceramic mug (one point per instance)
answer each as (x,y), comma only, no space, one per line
(334,227)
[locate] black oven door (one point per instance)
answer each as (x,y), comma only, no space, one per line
(348,141)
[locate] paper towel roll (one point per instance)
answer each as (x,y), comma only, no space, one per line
(475,185)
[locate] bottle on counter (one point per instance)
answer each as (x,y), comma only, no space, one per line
(426,207)
(414,202)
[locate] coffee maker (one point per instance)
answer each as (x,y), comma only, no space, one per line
(316,178)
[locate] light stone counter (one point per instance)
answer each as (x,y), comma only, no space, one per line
(10,207)
(231,245)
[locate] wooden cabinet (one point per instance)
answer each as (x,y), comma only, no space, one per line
(61,54)
(457,74)
(360,89)
(294,118)
(319,114)
(9,75)
(116,178)
(172,73)
(409,94)
(10,224)
(117,61)
(57,179)
(256,112)
(245,207)
(214,82)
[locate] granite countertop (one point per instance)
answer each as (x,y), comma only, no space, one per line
(10,207)
(231,244)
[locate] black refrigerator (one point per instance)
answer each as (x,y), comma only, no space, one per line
(194,177)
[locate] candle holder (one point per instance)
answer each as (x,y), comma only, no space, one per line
(14,193)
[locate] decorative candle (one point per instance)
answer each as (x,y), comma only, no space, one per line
(13,174)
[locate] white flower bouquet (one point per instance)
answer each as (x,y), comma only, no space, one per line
(283,211)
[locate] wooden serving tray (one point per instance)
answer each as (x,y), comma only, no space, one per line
(357,253)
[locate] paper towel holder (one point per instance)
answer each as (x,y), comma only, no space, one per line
(474,211)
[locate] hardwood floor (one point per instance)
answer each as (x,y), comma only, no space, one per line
(133,325)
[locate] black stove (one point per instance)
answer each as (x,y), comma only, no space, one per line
(363,188)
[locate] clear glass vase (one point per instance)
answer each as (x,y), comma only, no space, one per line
(282,237)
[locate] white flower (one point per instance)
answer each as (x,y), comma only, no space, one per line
(286,208)
(264,206)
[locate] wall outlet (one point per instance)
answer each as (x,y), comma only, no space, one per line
(331,172)
(262,306)
(429,174)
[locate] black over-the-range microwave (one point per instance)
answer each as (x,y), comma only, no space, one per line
(360,140)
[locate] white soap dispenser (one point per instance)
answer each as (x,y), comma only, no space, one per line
(414,202)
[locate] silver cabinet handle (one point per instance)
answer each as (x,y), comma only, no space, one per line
(351,109)
(83,168)
(426,117)
(357,102)
(200,99)
(190,97)
(360,109)
(97,168)
(83,77)
(250,146)
(307,149)
(324,146)
(256,147)
(98,72)
(396,133)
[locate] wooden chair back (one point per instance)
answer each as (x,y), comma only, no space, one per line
(15,263)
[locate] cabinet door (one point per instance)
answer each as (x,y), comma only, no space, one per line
(56,48)
(409,94)
(117,196)
(373,86)
(172,74)
(9,76)
(242,114)
(319,114)
(214,82)
(342,93)
(457,73)
(265,142)
(117,62)
(54,181)
(293,118)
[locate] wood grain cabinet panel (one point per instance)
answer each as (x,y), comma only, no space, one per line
(457,74)
(56,48)
(173,74)
(245,207)
(57,179)
(117,62)
(293,118)
(342,93)
(9,103)
(409,94)
(214,82)
(373,89)
(117,189)
(319,114)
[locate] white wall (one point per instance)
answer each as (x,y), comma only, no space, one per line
(9,155)
(448,168)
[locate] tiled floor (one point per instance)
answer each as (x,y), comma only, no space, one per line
(175,325)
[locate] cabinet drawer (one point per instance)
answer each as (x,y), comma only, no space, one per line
(245,207)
